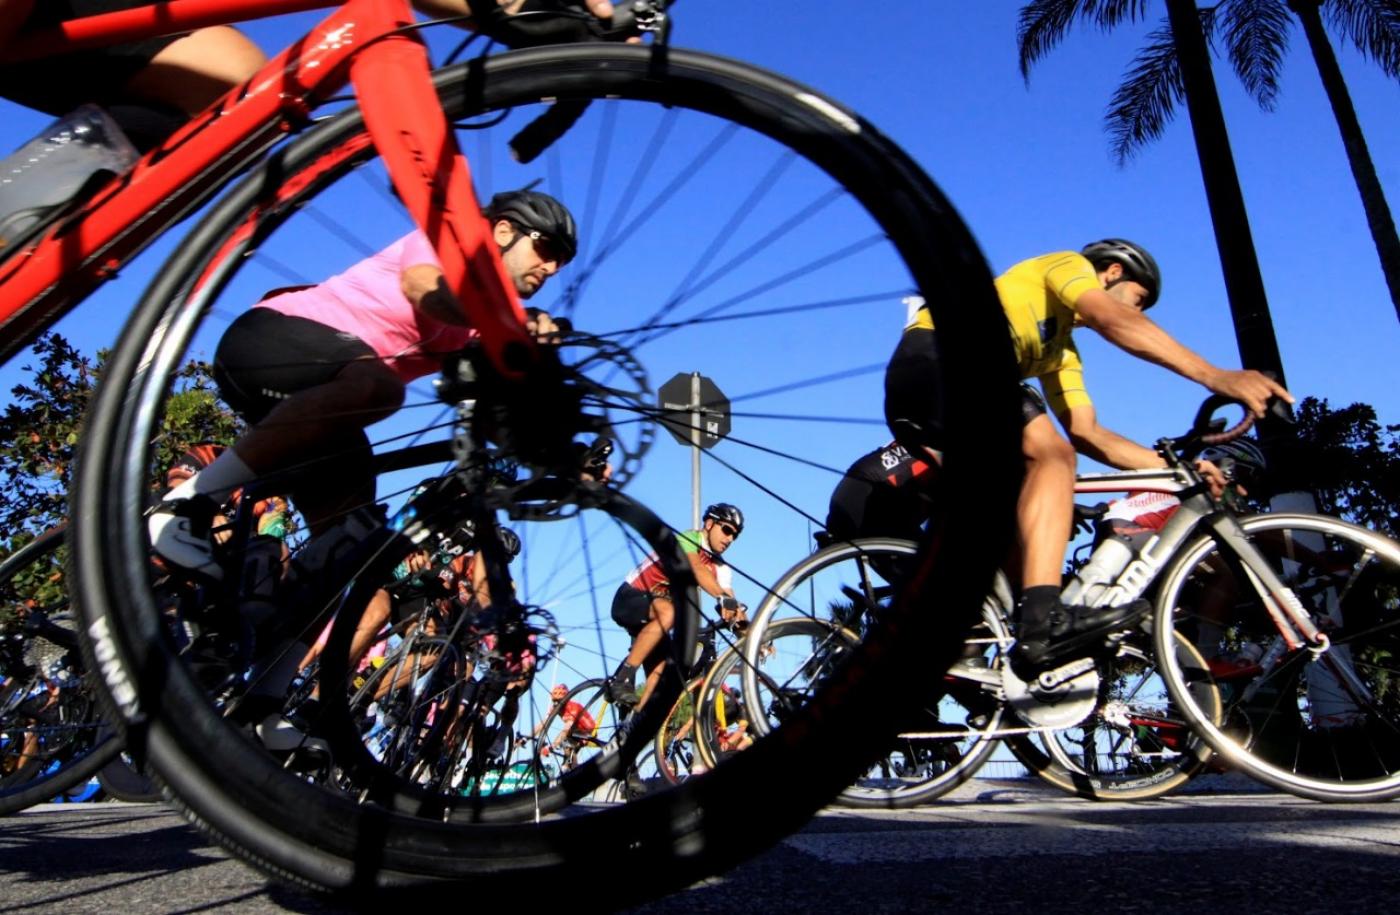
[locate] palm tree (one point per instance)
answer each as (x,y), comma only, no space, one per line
(1255,37)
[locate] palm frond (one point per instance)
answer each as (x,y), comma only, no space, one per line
(1107,14)
(1373,26)
(1256,36)
(1040,26)
(1146,101)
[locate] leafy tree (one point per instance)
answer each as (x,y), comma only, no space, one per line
(39,436)
(1255,35)
(42,427)
(1349,460)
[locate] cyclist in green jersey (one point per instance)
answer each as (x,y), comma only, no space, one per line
(643,606)
(1107,286)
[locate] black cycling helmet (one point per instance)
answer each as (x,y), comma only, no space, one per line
(1241,460)
(540,212)
(463,538)
(1138,265)
(724,513)
(510,540)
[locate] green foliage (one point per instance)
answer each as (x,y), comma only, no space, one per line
(39,435)
(1349,460)
(38,585)
(42,427)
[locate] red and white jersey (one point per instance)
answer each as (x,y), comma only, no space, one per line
(1141,513)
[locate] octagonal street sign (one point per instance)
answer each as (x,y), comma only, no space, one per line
(682,398)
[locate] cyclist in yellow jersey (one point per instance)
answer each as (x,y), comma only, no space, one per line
(1107,286)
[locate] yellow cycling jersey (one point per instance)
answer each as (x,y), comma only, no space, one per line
(1039,297)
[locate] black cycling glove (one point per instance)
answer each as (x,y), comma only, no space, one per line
(533,25)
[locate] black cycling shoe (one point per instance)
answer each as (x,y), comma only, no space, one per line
(1070,632)
(620,692)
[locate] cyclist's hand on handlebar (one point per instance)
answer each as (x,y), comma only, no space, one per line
(1251,388)
(1215,479)
(734,613)
(527,23)
(543,327)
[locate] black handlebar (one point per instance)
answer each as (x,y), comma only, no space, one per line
(1208,430)
(630,19)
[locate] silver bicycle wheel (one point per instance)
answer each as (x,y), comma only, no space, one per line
(1324,726)
(808,622)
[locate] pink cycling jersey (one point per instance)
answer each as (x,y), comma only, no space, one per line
(368,301)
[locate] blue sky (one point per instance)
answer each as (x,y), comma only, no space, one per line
(1028,168)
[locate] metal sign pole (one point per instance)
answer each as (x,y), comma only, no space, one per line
(695,450)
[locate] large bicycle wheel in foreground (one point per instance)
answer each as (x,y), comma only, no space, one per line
(728,214)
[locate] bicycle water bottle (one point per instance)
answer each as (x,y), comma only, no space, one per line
(45,173)
(1091,583)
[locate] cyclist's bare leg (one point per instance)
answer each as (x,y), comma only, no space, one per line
(654,670)
(190,73)
(29,749)
(1047,631)
(375,616)
(1045,512)
(663,616)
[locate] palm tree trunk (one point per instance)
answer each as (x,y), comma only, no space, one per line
(1239,262)
(1362,168)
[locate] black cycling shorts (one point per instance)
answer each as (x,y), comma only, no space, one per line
(57,85)
(914,393)
(860,508)
(264,357)
(631,609)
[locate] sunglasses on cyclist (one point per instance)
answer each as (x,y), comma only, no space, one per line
(730,531)
(547,248)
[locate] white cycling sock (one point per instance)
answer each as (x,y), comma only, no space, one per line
(218,480)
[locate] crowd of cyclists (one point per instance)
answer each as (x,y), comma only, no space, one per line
(310,368)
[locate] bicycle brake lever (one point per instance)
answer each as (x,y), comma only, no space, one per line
(632,18)
(1282,411)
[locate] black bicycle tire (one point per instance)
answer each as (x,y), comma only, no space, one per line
(945,782)
(942,256)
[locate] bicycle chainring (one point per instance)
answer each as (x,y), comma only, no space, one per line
(1066,705)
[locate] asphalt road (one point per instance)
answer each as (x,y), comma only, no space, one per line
(995,848)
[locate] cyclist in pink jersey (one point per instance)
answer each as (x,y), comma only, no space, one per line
(311,368)
(643,606)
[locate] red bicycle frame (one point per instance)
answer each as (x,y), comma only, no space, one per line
(363,43)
